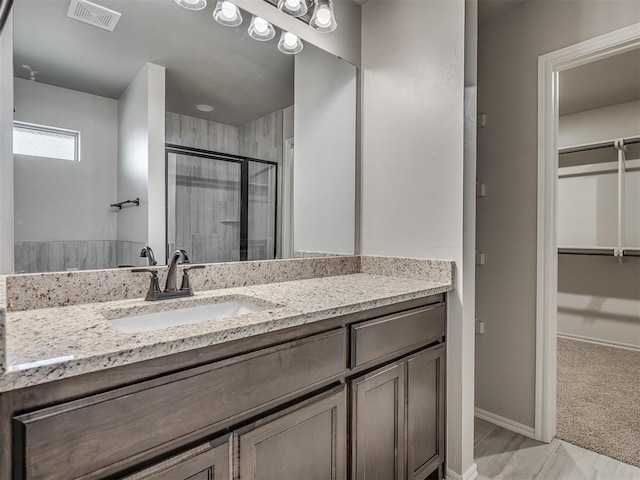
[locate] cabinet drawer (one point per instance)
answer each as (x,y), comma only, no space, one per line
(100,435)
(396,334)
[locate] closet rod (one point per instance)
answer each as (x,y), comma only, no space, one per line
(597,146)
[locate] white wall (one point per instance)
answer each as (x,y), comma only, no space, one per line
(601,124)
(141,159)
(588,204)
(324,153)
(413,169)
(6,147)
(509,47)
(47,191)
(599,298)
(344,42)
(156,181)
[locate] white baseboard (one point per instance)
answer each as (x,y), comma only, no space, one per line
(505,423)
(471,474)
(598,341)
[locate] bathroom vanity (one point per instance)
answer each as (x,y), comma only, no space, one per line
(347,389)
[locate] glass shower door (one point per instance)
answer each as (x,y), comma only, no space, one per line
(204,207)
(262,200)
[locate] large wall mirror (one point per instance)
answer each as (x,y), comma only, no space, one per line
(202,137)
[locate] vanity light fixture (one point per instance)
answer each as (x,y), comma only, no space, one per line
(192,4)
(290,43)
(261,30)
(227,13)
(295,8)
(323,19)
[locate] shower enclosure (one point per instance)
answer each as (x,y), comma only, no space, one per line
(220,207)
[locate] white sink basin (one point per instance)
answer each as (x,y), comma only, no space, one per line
(184,316)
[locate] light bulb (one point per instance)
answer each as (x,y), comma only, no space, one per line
(290,43)
(261,30)
(227,13)
(228,10)
(290,39)
(323,16)
(261,25)
(192,4)
(295,8)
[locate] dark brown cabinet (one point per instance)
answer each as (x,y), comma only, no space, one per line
(359,396)
(306,443)
(398,419)
(425,412)
(378,416)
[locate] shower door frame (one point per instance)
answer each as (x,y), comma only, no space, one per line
(243,161)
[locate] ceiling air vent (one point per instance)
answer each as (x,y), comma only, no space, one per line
(93,14)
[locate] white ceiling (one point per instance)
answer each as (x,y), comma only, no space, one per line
(206,63)
(489,9)
(610,81)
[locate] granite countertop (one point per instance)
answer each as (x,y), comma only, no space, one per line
(47,344)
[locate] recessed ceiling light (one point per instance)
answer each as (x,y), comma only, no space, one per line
(205,108)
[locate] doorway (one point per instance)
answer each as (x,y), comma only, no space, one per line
(554,212)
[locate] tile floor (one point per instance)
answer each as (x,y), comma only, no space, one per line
(504,455)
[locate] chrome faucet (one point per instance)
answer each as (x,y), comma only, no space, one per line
(170,286)
(148,254)
(170,290)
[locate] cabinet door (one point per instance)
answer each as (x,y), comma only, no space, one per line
(205,462)
(307,443)
(378,423)
(425,412)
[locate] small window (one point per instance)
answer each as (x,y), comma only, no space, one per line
(46,142)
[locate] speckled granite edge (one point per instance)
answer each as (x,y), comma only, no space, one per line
(51,369)
(418,269)
(45,290)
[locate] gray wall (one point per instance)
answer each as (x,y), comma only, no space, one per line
(324,153)
(6,148)
(413,168)
(55,231)
(509,47)
(63,200)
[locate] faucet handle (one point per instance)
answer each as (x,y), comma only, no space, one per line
(152,271)
(186,286)
(154,286)
(192,267)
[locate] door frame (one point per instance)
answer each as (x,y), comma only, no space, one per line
(549,67)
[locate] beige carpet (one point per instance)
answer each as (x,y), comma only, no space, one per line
(599,399)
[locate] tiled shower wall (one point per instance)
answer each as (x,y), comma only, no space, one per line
(59,256)
(261,139)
